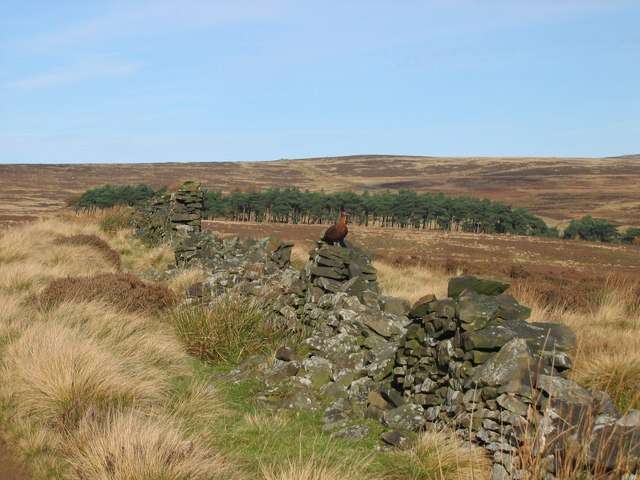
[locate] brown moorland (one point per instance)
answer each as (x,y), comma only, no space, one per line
(564,273)
(557,189)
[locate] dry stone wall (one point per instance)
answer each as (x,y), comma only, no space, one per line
(470,362)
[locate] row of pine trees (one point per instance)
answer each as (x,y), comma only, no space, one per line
(402,209)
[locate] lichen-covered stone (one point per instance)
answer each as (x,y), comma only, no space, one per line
(483,286)
(407,418)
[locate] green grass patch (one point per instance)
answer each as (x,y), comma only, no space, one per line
(234,328)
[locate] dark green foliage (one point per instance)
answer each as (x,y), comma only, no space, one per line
(593,229)
(402,209)
(632,235)
(108,196)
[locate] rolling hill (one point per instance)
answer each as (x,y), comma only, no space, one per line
(557,189)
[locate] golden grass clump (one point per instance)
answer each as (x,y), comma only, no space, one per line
(121,290)
(437,455)
(185,278)
(93,241)
(128,445)
(54,376)
(316,467)
(135,336)
(30,257)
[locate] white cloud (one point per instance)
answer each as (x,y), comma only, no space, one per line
(74,74)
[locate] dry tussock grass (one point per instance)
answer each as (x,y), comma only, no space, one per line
(55,376)
(411,283)
(439,455)
(317,468)
(135,336)
(95,242)
(225,332)
(30,256)
(185,278)
(122,290)
(86,384)
(129,445)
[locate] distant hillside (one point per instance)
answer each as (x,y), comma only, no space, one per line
(557,189)
(635,156)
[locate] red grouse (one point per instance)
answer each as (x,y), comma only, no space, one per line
(337,232)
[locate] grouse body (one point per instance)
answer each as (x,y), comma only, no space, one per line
(337,233)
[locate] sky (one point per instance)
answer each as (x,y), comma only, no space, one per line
(178,81)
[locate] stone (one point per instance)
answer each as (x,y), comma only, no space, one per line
(375,399)
(396,439)
(478,285)
(359,389)
(510,309)
(285,354)
(498,472)
(354,432)
(614,445)
(329,272)
(409,418)
(317,370)
(629,419)
(393,396)
(298,400)
(564,389)
(512,404)
(476,311)
(379,324)
(445,308)
(554,336)
(511,365)
(421,306)
(395,306)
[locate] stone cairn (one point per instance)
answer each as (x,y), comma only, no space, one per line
(471,361)
(335,269)
(187,203)
(172,217)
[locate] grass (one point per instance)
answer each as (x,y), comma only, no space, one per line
(438,455)
(411,283)
(122,290)
(88,390)
(95,242)
(227,332)
(129,445)
(256,436)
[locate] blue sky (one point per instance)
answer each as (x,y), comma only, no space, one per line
(142,81)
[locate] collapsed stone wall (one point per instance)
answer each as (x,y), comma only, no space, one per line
(470,361)
(172,216)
